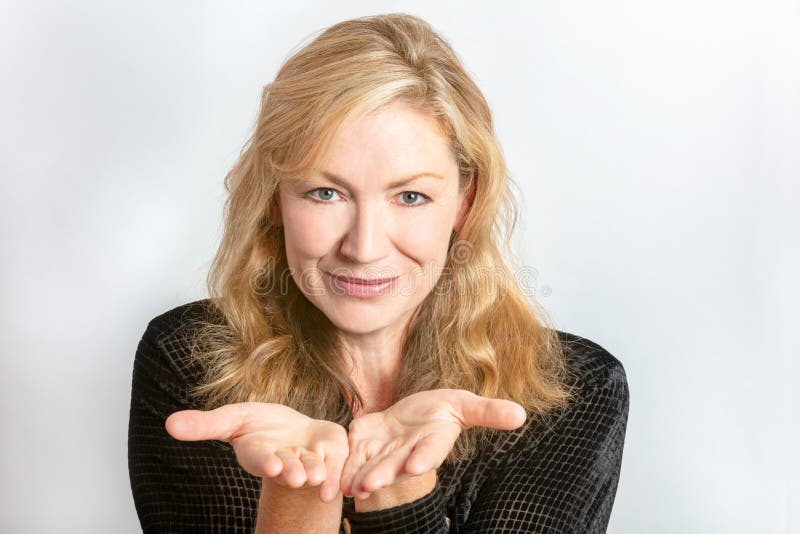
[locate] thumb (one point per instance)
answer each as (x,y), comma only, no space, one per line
(492,413)
(195,425)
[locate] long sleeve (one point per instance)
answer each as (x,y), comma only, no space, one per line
(426,514)
(179,486)
(555,476)
(562,478)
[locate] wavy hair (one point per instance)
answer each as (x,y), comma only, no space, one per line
(476,330)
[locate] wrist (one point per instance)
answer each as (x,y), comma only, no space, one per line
(272,488)
(403,492)
(285,509)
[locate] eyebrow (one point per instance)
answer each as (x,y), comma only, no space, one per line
(397,183)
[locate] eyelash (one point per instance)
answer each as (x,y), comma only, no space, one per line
(308,195)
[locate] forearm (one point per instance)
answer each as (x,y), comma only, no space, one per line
(282,509)
(402,492)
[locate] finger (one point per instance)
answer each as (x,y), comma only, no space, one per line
(330,487)
(256,455)
(492,413)
(428,453)
(354,462)
(314,468)
(271,466)
(194,425)
(259,462)
(293,474)
(382,471)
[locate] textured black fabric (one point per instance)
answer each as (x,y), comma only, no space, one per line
(558,477)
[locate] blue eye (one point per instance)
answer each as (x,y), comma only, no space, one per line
(311,194)
(413,195)
(328,195)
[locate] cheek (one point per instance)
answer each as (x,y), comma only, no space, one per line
(306,233)
(428,236)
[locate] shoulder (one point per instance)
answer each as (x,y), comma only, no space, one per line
(559,471)
(181,319)
(591,366)
(600,399)
(165,349)
(600,396)
(174,328)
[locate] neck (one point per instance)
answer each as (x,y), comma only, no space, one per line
(373,399)
(374,367)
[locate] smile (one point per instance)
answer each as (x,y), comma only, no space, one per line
(359,287)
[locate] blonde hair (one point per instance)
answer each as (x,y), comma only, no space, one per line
(268,343)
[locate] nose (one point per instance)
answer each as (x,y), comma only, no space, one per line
(366,240)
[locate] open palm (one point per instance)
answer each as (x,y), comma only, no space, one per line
(272,441)
(416,434)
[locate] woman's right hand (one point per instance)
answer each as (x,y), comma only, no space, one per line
(272,441)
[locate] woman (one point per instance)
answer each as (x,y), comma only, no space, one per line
(366,361)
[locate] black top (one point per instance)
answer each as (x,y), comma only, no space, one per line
(559,477)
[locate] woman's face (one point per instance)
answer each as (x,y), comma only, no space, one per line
(352,217)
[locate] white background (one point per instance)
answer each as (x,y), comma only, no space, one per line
(656,144)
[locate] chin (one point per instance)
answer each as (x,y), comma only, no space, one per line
(362,316)
(359,329)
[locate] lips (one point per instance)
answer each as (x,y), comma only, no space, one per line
(363,281)
(361,288)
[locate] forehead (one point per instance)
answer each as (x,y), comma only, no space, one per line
(398,139)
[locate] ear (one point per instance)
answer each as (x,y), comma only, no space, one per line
(467,199)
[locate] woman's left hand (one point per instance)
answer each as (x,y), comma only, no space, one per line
(415,435)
